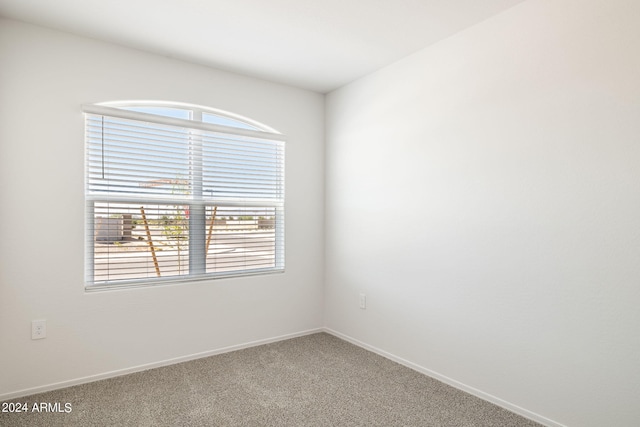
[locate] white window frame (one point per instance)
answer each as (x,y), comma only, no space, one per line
(197,202)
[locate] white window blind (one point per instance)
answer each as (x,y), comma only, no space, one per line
(175,199)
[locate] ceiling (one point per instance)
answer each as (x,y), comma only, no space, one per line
(313,44)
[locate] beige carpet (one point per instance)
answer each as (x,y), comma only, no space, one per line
(316,380)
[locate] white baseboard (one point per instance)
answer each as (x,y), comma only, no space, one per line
(460,386)
(139,368)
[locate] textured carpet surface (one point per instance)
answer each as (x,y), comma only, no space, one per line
(316,380)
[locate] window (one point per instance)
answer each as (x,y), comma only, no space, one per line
(180,192)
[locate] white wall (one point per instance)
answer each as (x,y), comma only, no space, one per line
(45,77)
(485,194)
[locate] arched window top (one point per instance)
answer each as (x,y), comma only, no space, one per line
(197,113)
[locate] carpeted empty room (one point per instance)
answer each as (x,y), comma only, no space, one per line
(320,213)
(314,380)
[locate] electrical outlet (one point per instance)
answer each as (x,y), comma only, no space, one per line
(38,329)
(363,301)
